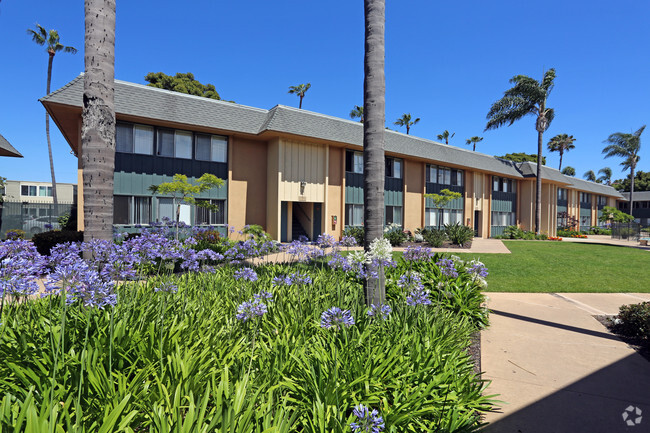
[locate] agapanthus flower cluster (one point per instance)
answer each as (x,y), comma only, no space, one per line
(20,267)
(337,261)
(348,241)
(292,279)
(251,309)
(418,253)
(477,269)
(368,421)
(246,274)
(166,287)
(381,250)
(81,283)
(263,296)
(381,312)
(418,295)
(447,268)
(325,240)
(335,318)
(301,251)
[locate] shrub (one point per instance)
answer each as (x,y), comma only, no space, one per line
(211,240)
(541,237)
(634,320)
(357,232)
(46,240)
(14,234)
(257,232)
(459,234)
(395,234)
(513,232)
(434,237)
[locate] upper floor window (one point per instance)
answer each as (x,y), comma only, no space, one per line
(393,167)
(445,175)
(354,162)
(211,148)
(602,200)
(504,184)
(131,138)
(585,197)
(36,191)
(177,144)
(561,194)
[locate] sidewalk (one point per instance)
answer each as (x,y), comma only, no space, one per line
(557,369)
(607,240)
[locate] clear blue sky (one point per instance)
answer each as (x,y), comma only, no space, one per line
(446,62)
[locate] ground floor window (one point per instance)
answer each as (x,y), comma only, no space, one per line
(585,222)
(354,214)
(210,216)
(394,215)
(449,216)
(504,219)
(131,210)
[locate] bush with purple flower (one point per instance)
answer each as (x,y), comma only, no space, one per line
(336,319)
(368,421)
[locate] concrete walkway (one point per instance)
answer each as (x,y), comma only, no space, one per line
(557,369)
(607,240)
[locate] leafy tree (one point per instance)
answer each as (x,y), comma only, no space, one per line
(614,215)
(441,200)
(626,146)
(606,177)
(357,113)
(50,39)
(473,141)
(522,157)
(561,143)
(405,120)
(445,136)
(374,104)
(299,90)
(527,98)
(569,171)
(182,190)
(182,83)
(3,181)
(98,119)
(590,176)
(641,182)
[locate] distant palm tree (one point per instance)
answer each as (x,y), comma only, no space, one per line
(299,90)
(527,98)
(590,176)
(405,120)
(606,178)
(445,136)
(626,146)
(473,141)
(569,171)
(561,143)
(52,45)
(357,113)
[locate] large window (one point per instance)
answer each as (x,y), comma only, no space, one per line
(394,215)
(354,214)
(394,167)
(503,184)
(504,218)
(602,201)
(210,215)
(134,139)
(585,198)
(561,194)
(354,162)
(36,191)
(211,148)
(444,175)
(131,210)
(449,216)
(166,209)
(28,190)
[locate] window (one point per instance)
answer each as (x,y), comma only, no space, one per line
(394,168)
(449,216)
(28,190)
(503,184)
(165,142)
(394,215)
(211,148)
(457,177)
(166,209)
(585,198)
(561,194)
(209,216)
(433,173)
(45,191)
(354,214)
(585,221)
(183,144)
(504,218)
(134,138)
(131,210)
(353,162)
(444,176)
(602,201)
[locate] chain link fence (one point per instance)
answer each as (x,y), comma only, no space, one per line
(32,218)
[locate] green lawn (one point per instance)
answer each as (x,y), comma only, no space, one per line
(536,266)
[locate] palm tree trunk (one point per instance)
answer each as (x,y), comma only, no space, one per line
(474,147)
(300,104)
(47,134)
(374,105)
(98,119)
(632,191)
(561,154)
(538,184)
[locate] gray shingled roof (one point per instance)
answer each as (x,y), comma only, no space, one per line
(6,149)
(164,105)
(638,196)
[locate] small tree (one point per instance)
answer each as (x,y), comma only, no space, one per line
(299,90)
(405,120)
(180,188)
(473,141)
(612,214)
(569,171)
(445,136)
(357,113)
(441,200)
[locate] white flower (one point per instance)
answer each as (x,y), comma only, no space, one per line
(418,237)
(617,321)
(357,257)
(381,249)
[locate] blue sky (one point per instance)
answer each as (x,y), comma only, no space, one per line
(446,62)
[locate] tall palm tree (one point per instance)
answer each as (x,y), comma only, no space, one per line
(527,98)
(50,39)
(561,143)
(473,141)
(299,90)
(569,171)
(98,119)
(590,176)
(445,136)
(606,178)
(374,103)
(357,113)
(405,120)
(626,146)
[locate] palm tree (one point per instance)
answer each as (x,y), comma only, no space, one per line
(299,90)
(569,171)
(445,136)
(590,176)
(405,120)
(98,119)
(626,146)
(52,45)
(473,141)
(527,98)
(606,178)
(357,113)
(374,103)
(561,143)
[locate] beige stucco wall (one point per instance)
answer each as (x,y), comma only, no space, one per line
(335,196)
(272,185)
(548,224)
(301,162)
(246,179)
(526,204)
(414,178)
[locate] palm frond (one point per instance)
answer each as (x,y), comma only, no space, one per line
(36,36)
(550,115)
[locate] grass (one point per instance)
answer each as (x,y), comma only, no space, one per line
(566,267)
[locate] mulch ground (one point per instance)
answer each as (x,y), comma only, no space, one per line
(446,244)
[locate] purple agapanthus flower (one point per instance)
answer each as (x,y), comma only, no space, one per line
(335,318)
(251,309)
(348,241)
(367,421)
(325,240)
(166,287)
(246,274)
(447,268)
(381,312)
(478,269)
(418,253)
(418,296)
(263,296)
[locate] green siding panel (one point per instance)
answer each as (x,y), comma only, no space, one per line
(561,208)
(138,184)
(457,204)
(353,195)
(393,198)
(503,206)
(585,212)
